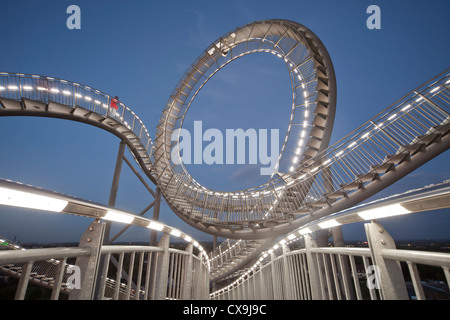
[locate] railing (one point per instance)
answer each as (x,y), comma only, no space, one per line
(150,268)
(389,134)
(288,276)
(101,271)
(27,265)
(335,283)
(414,258)
(156,273)
(48,89)
(303,266)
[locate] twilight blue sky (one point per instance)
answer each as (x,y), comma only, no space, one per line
(138,50)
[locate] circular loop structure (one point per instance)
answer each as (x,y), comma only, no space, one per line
(310,125)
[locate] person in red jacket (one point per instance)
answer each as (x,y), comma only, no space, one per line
(114,102)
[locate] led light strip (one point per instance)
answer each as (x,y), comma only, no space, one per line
(14,198)
(30,200)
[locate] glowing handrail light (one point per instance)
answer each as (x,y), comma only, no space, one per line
(329,224)
(434,89)
(291,236)
(117,216)
(304,231)
(382,212)
(9,197)
(175,233)
(155,226)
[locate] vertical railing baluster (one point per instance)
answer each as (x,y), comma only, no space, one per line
(139,276)
(418,289)
(355,278)
(23,281)
(61,269)
(118,277)
(130,275)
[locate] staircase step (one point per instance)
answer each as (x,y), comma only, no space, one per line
(367,177)
(383,168)
(59,108)
(443,129)
(33,105)
(416,148)
(80,112)
(398,158)
(10,104)
(430,138)
(336,195)
(355,185)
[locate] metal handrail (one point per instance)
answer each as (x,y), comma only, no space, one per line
(331,275)
(422,198)
(48,89)
(361,252)
(438,259)
(43,265)
(25,256)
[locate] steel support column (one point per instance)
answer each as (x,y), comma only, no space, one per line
(313,267)
(156,207)
(111,202)
(89,265)
(115,184)
(162,268)
(391,276)
(187,285)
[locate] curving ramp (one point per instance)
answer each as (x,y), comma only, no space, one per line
(42,96)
